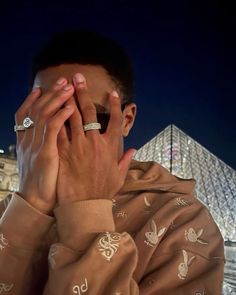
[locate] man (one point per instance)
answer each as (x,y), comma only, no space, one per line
(106,223)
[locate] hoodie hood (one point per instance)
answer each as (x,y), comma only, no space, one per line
(151,176)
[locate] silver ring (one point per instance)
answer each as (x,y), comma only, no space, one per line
(27,123)
(92,126)
(19,128)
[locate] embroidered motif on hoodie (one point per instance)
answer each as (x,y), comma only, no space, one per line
(180,202)
(3,242)
(82,288)
(200,293)
(52,253)
(108,245)
(184,266)
(5,287)
(147,208)
(121,214)
(152,237)
(116,210)
(113,203)
(192,236)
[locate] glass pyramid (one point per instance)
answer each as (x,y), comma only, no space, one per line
(215,184)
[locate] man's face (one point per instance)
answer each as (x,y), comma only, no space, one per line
(99,85)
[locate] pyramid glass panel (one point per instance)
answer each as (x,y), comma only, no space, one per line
(215,184)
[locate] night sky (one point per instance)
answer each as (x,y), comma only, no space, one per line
(183,54)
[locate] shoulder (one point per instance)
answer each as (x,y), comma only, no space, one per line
(190,226)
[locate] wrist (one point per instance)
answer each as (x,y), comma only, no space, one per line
(36,203)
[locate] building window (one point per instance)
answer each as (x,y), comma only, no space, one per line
(14,183)
(13,186)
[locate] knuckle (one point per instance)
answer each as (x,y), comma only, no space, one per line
(60,94)
(52,125)
(49,93)
(34,109)
(88,109)
(117,119)
(43,112)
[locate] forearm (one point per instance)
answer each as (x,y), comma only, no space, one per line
(22,230)
(91,256)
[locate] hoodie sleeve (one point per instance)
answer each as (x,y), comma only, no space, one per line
(91,256)
(22,243)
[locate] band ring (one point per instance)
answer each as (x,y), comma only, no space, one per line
(92,126)
(27,123)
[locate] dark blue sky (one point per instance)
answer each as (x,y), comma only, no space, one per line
(183,53)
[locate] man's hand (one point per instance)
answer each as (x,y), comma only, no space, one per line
(37,152)
(89,161)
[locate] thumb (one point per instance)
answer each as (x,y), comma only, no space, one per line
(125,161)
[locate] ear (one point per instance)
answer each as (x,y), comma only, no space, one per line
(129,114)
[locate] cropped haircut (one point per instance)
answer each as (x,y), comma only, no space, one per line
(88,48)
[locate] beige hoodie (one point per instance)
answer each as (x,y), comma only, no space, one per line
(154,237)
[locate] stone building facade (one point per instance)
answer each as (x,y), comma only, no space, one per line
(8,175)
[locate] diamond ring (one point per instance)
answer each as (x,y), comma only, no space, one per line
(27,123)
(92,126)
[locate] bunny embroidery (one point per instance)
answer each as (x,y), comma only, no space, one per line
(183,266)
(147,208)
(53,251)
(147,204)
(192,236)
(152,237)
(5,288)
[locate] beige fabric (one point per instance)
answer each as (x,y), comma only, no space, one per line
(154,237)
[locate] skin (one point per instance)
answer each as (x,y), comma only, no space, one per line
(60,167)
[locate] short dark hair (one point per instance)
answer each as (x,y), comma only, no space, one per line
(86,47)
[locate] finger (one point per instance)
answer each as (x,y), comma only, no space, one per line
(115,123)
(23,110)
(124,163)
(86,106)
(35,109)
(46,97)
(62,138)
(64,135)
(48,110)
(76,123)
(54,126)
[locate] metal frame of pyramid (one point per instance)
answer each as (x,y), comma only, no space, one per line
(215,184)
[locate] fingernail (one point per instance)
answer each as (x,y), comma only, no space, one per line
(67,87)
(60,81)
(36,88)
(79,78)
(115,94)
